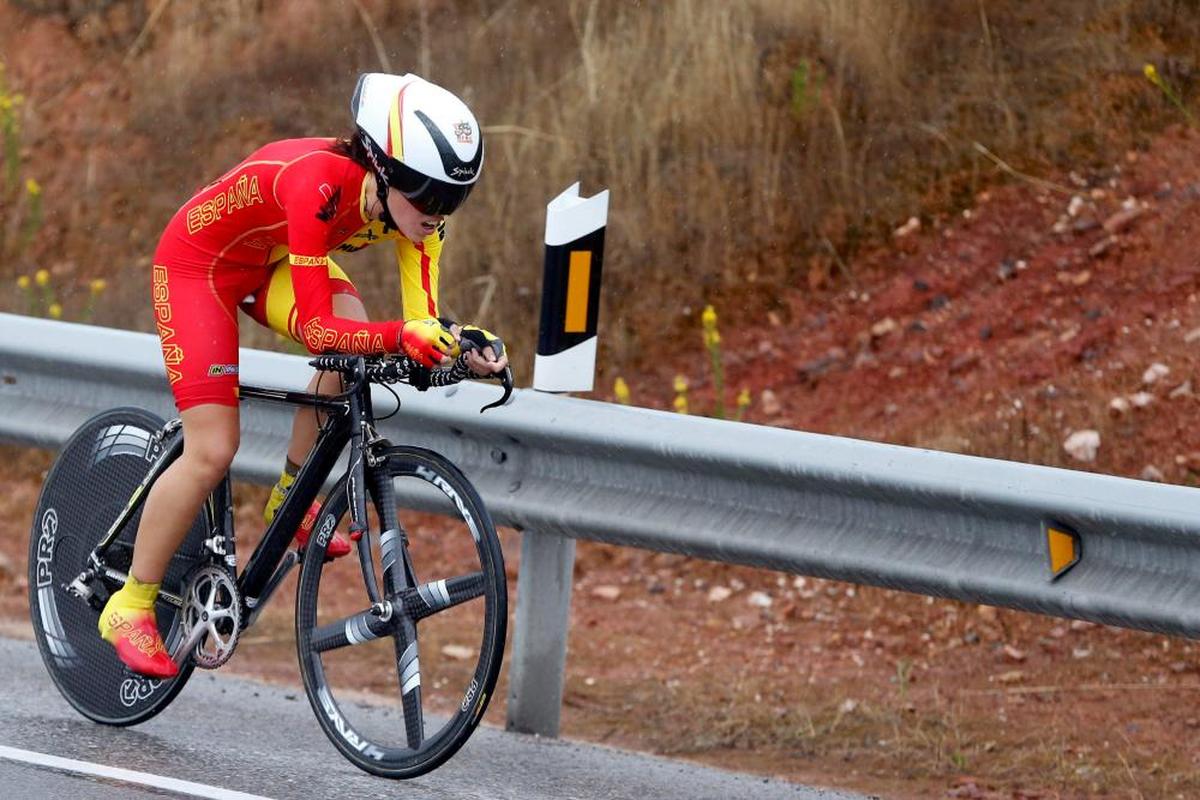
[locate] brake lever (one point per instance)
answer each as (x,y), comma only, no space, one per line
(506,379)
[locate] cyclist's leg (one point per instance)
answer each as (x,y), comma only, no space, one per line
(210,439)
(128,621)
(274,306)
(200,352)
(304,426)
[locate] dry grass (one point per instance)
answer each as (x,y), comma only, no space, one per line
(746,144)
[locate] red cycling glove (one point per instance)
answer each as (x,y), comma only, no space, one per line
(427,341)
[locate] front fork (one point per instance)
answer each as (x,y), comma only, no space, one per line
(393,540)
(369,469)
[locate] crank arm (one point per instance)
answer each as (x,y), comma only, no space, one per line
(185,649)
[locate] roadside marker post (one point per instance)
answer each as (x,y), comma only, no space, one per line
(565,362)
(566,354)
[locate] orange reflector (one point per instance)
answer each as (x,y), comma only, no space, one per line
(1062,546)
(579,276)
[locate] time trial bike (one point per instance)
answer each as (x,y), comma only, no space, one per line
(399,647)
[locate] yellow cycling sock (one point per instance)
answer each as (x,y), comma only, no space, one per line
(139,595)
(280,491)
(134,596)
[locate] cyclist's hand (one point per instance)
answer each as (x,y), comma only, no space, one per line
(483,349)
(428,342)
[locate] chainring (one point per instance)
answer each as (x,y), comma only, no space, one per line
(211,616)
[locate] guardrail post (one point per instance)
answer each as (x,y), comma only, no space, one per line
(539,654)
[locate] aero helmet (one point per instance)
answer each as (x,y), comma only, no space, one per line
(421,140)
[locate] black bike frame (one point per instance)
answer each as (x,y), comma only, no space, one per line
(349,417)
(331,440)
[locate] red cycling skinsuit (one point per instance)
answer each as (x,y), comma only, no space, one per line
(277,214)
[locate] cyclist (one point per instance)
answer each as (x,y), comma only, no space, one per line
(260,237)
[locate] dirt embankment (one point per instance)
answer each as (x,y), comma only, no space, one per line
(1038,313)
(1044,317)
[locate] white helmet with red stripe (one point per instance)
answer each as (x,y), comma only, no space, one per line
(422,139)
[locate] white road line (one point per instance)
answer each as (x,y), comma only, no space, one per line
(124,775)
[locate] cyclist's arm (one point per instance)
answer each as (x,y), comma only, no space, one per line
(419,283)
(419,273)
(320,330)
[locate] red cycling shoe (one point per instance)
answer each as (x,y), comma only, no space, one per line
(339,545)
(134,634)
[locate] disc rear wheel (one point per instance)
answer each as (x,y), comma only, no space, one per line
(92,479)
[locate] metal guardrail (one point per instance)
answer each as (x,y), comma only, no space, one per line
(560,468)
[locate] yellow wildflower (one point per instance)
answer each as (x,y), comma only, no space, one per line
(681,404)
(41,277)
(1161,84)
(681,384)
(33,187)
(55,311)
(23,282)
(621,390)
(98,285)
(743,398)
(708,320)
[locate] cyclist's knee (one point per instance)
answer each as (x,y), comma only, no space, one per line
(210,440)
(326,383)
(209,459)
